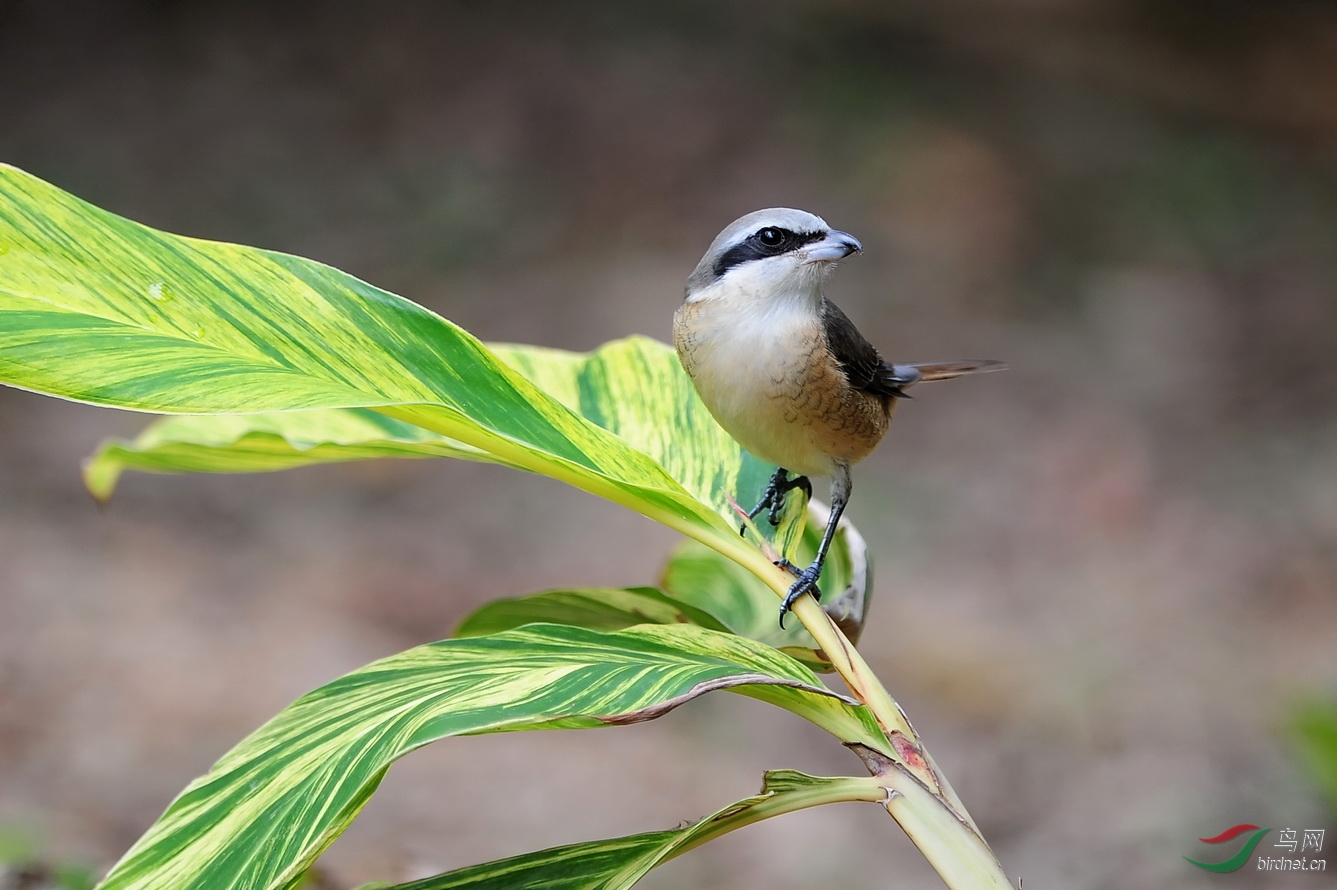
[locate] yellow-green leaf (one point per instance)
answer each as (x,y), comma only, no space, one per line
(255,443)
(96,308)
(264,812)
(596,608)
(619,863)
(633,387)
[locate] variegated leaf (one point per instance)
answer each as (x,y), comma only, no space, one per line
(619,863)
(633,387)
(255,443)
(96,308)
(264,812)
(596,608)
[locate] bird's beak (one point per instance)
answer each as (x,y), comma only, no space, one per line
(835,246)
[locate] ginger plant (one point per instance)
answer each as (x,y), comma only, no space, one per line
(265,361)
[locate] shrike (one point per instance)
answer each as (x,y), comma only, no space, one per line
(783,370)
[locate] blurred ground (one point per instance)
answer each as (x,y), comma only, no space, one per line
(1104,578)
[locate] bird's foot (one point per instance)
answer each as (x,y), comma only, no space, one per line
(778,504)
(773,498)
(806,583)
(787,566)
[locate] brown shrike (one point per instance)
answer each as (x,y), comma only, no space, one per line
(783,370)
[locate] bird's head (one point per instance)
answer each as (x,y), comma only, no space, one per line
(770,254)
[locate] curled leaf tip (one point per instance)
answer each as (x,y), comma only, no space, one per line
(100,478)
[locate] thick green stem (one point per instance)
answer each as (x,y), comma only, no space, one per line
(955,849)
(920,798)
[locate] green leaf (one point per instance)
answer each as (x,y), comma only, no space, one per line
(253,443)
(598,608)
(264,812)
(1313,728)
(621,862)
(96,308)
(633,387)
(636,388)
(617,862)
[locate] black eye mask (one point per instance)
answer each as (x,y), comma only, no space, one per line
(776,241)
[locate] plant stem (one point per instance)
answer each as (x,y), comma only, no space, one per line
(832,790)
(920,798)
(957,852)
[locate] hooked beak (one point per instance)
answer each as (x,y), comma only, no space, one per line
(835,246)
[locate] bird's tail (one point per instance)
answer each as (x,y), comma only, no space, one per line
(923,371)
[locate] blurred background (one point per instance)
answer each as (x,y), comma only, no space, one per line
(1107,580)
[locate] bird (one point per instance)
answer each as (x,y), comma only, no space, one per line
(783,370)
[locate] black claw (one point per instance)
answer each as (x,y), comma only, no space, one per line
(778,504)
(773,498)
(806,583)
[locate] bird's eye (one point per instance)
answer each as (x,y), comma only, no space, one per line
(771,237)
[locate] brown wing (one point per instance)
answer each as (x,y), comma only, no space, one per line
(863,365)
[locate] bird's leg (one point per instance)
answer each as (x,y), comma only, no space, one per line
(807,579)
(774,496)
